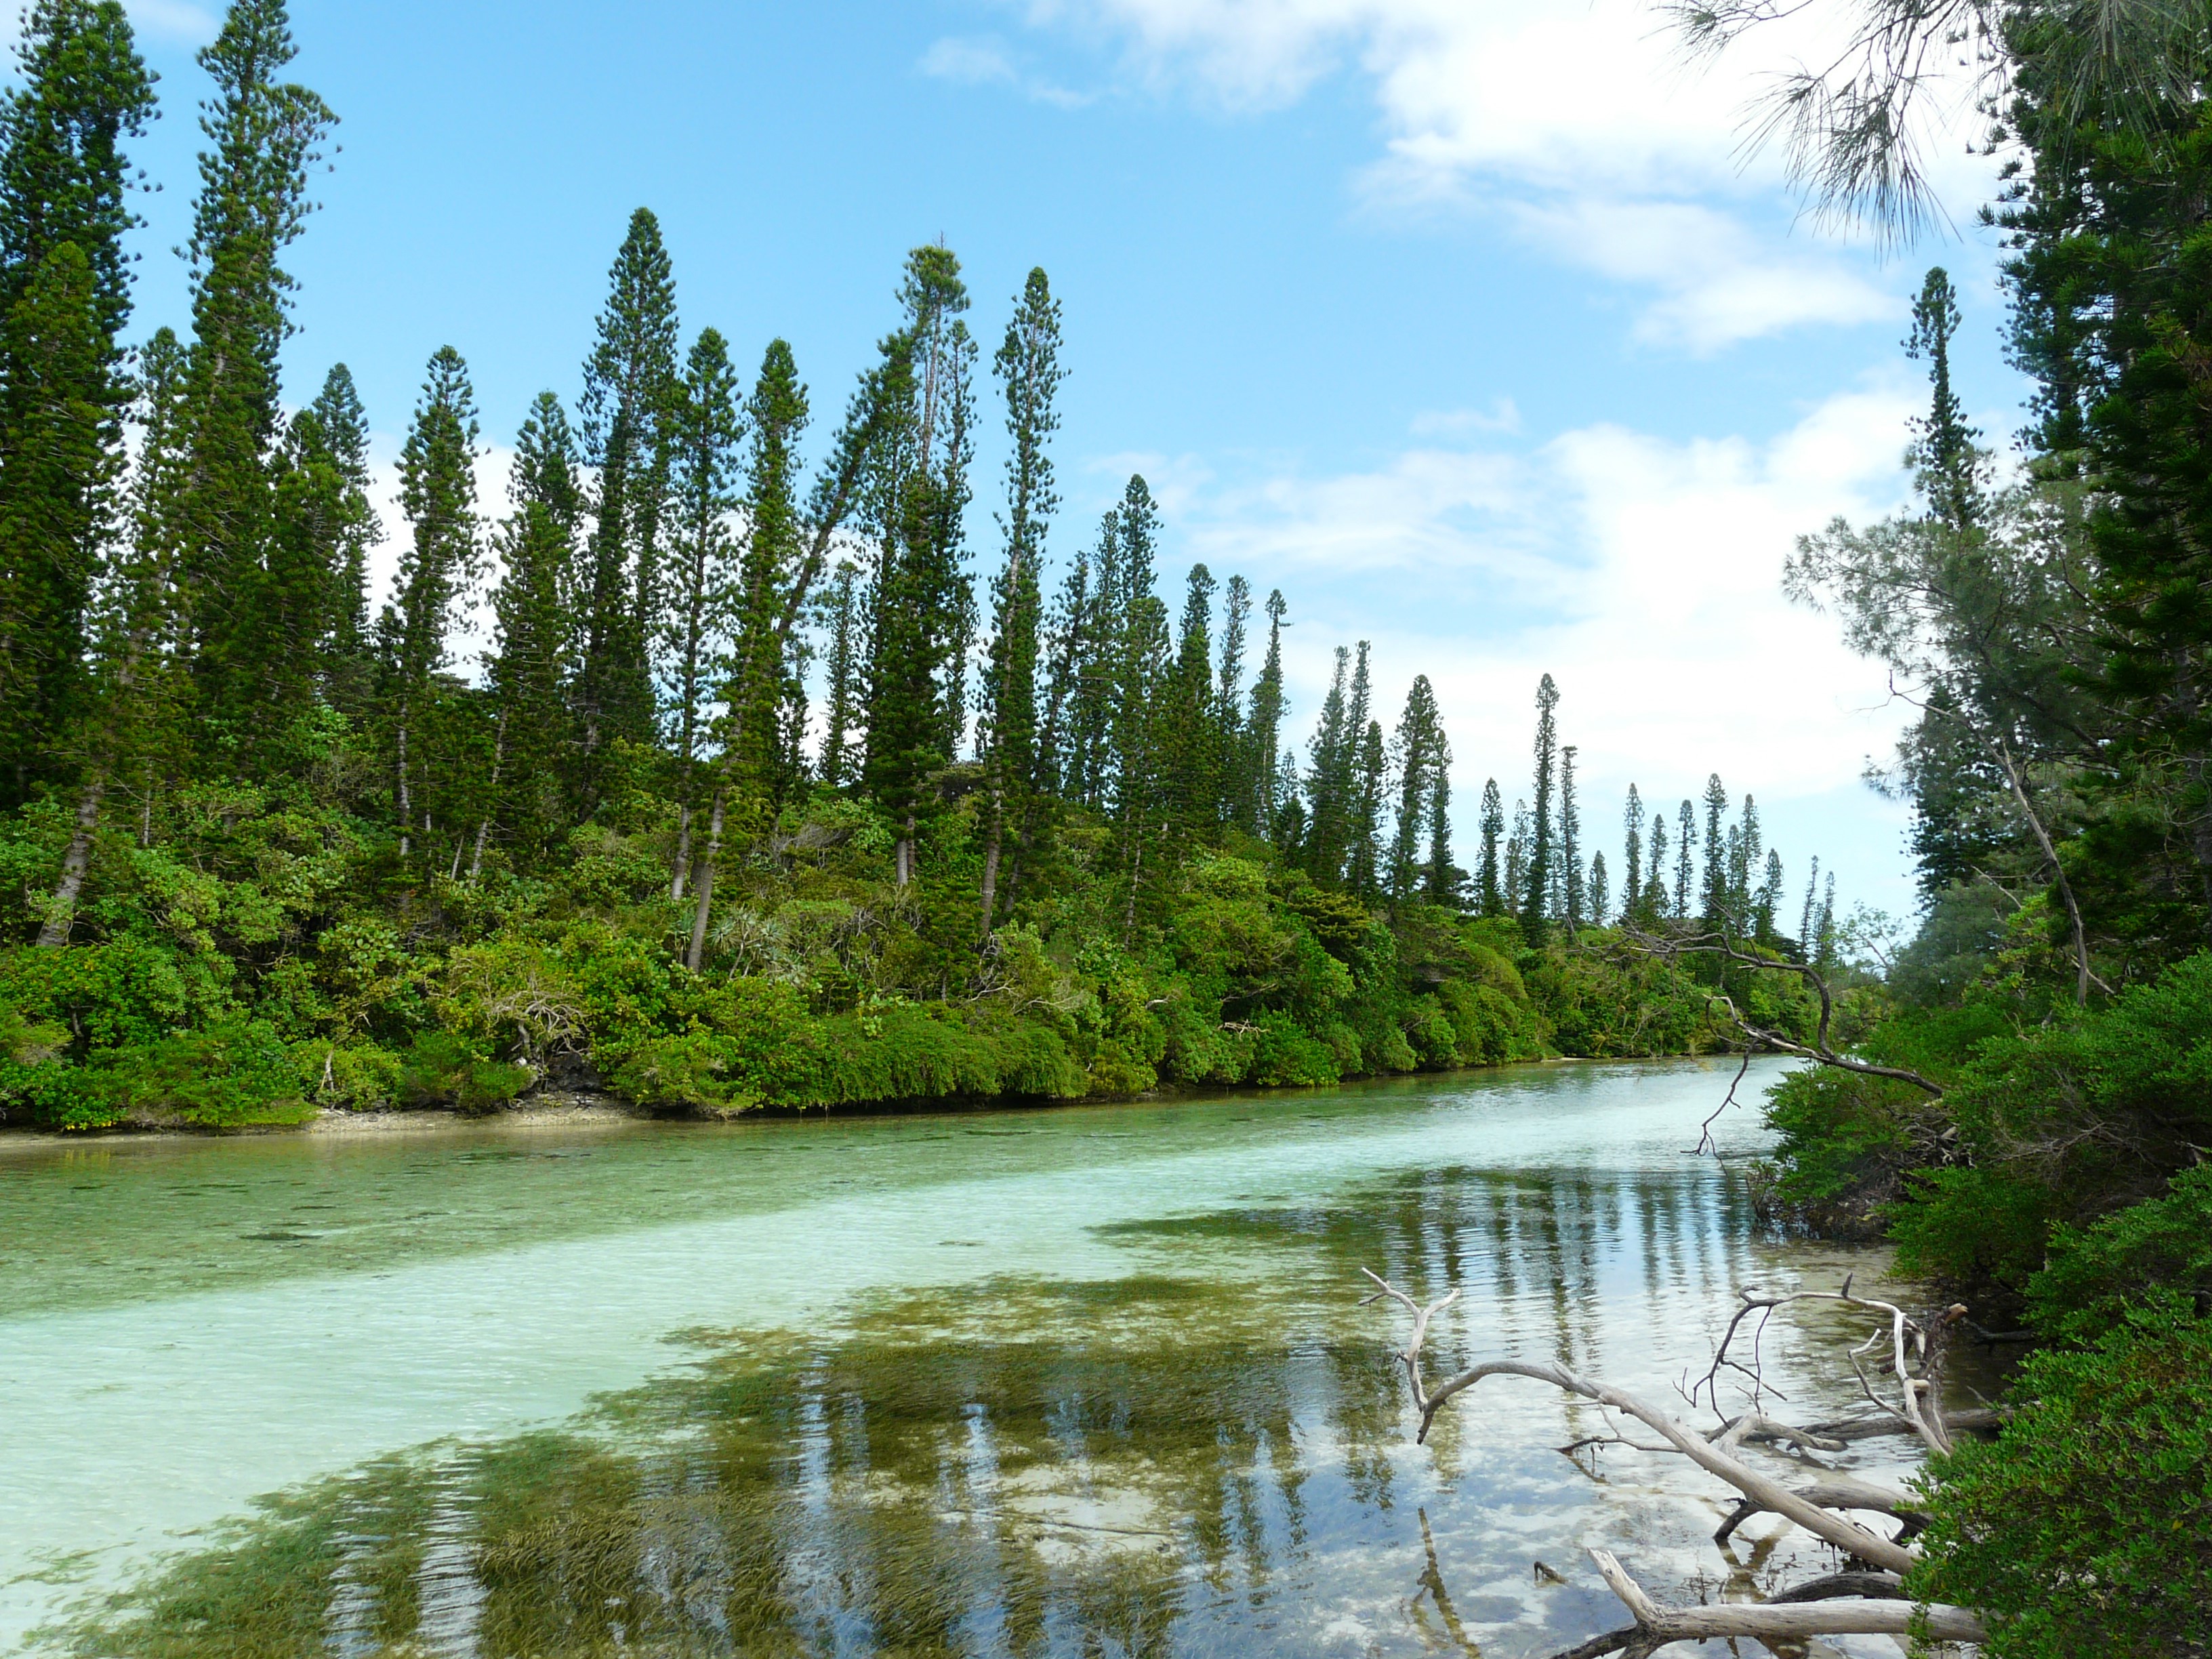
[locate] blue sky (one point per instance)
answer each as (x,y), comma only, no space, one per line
(1466,324)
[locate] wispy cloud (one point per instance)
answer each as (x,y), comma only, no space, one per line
(1574,123)
(986,60)
(1645,572)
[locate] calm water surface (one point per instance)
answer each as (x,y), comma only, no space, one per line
(1088,1381)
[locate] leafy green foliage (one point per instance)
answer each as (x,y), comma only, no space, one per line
(2086,1527)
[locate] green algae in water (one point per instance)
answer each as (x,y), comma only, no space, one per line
(1188,1459)
(1207,1451)
(1045,1483)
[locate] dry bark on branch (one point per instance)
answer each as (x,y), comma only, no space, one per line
(1724,942)
(1858,1602)
(1846,1534)
(1770,1621)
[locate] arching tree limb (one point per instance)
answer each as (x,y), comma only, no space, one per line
(1770,1494)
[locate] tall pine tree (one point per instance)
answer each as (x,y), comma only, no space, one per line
(437,492)
(264,137)
(1028,367)
(698,584)
(631,395)
(63,186)
(1535,898)
(528,668)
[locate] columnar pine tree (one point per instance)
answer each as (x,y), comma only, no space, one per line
(1600,900)
(698,584)
(1535,896)
(1717,865)
(771,576)
(1028,366)
(1631,860)
(63,186)
(1189,759)
(1570,834)
(527,669)
(1945,453)
(264,137)
(1365,874)
(312,592)
(1769,899)
(333,441)
(1057,769)
(1809,918)
(1655,876)
(1446,881)
(1490,895)
(1328,766)
(844,716)
(1235,789)
(1139,671)
(1264,727)
(437,492)
(629,398)
(1752,851)
(1517,854)
(1685,841)
(1421,756)
(918,598)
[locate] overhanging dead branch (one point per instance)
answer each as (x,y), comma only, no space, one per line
(1770,1494)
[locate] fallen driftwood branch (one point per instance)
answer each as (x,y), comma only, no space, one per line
(1752,1429)
(1839,1492)
(1916,1352)
(1789,1620)
(1863,1601)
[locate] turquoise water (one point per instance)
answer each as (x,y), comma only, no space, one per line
(1083,1380)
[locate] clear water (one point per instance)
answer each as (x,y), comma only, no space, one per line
(1091,1380)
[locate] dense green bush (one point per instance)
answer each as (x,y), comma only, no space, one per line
(2086,1526)
(2060,1124)
(262,959)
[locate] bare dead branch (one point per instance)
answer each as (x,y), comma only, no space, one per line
(1724,942)
(1846,1535)
(1780,1622)
(1840,1492)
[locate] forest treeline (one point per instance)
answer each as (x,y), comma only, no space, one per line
(761,794)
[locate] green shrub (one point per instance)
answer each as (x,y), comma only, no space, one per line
(2157,1250)
(2085,1529)
(686,1071)
(238,1072)
(445,1067)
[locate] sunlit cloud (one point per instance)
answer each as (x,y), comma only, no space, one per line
(1574,124)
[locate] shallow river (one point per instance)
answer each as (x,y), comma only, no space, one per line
(1085,1381)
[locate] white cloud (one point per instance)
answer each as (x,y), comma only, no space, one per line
(1575,121)
(1718,282)
(470,635)
(975,62)
(1503,415)
(984,60)
(1641,572)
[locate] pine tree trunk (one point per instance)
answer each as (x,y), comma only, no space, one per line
(683,851)
(903,853)
(483,826)
(406,810)
(702,881)
(54,932)
(991,859)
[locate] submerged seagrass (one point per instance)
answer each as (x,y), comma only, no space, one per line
(1166,1427)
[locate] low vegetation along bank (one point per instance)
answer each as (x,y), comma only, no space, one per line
(247,971)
